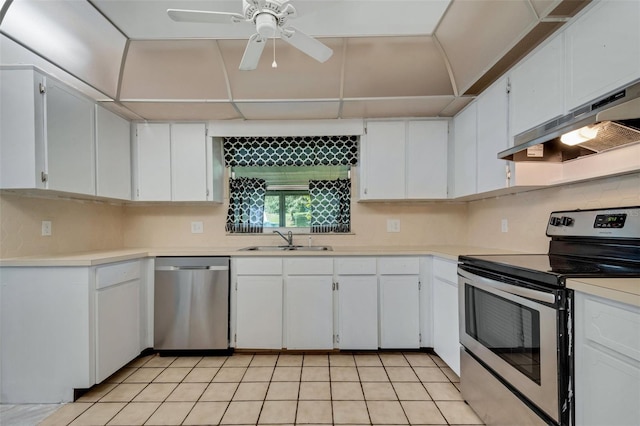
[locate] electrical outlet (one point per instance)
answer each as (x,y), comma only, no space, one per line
(197,228)
(46,228)
(393,225)
(504,226)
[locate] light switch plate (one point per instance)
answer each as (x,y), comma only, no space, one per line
(504,226)
(197,227)
(46,228)
(393,225)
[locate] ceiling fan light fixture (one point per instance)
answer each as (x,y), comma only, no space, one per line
(266,25)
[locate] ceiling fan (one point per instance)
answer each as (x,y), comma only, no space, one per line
(270,18)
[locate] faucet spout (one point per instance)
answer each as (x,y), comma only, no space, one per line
(288,238)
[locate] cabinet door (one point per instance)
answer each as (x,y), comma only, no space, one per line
(445,322)
(188,162)
(153,162)
(117,327)
(603,51)
(259,312)
(537,87)
(113,155)
(399,312)
(70,140)
(21,129)
(492,137)
(358,312)
(309,312)
(426,173)
(383,162)
(464,152)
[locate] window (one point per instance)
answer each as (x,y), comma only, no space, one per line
(293,182)
(287,203)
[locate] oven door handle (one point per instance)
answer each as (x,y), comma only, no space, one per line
(509,288)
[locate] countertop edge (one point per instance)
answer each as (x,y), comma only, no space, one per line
(623,290)
(95,258)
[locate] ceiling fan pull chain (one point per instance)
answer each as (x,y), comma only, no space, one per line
(274,64)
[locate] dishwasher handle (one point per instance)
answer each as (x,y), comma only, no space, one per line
(192,268)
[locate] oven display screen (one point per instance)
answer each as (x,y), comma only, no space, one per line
(506,328)
(610,220)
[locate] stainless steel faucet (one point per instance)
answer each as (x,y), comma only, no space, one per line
(288,238)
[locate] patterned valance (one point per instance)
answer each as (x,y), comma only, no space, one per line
(291,151)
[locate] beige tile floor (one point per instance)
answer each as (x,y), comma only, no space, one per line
(284,389)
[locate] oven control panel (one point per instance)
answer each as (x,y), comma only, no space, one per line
(621,222)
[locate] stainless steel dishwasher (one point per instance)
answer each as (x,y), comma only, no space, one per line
(191,309)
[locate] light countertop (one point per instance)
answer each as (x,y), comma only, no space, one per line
(624,290)
(94,258)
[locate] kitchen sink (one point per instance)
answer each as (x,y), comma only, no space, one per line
(287,248)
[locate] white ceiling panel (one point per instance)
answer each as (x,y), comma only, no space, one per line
(144,19)
(275,110)
(71,34)
(183,110)
(394,66)
(408,107)
(475,34)
(297,75)
(174,69)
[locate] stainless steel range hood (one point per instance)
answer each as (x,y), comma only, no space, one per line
(609,122)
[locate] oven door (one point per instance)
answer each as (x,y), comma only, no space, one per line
(513,330)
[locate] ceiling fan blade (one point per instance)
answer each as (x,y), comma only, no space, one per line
(306,44)
(203,16)
(257,3)
(252,52)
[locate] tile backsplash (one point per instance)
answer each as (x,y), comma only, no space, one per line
(93,225)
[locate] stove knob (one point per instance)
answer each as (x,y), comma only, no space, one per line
(566,221)
(554,221)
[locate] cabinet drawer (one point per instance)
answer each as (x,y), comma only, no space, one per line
(117,273)
(614,327)
(399,266)
(259,266)
(356,266)
(445,269)
(307,266)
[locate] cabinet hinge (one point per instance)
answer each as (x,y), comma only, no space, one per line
(508,86)
(138,192)
(420,337)
(44,176)
(337,338)
(235,338)
(236,285)
(42,88)
(207,192)
(419,285)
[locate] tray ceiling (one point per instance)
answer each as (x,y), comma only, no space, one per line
(420,58)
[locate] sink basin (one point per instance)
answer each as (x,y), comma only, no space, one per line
(287,248)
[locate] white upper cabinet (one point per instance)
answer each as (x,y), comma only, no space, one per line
(404,160)
(153,162)
(382,162)
(70,140)
(492,136)
(426,153)
(188,162)
(537,87)
(176,162)
(47,132)
(603,50)
(113,155)
(464,152)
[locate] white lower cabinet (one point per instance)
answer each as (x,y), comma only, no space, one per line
(259,312)
(357,303)
(118,317)
(258,303)
(399,302)
(66,328)
(607,361)
(446,334)
(309,303)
